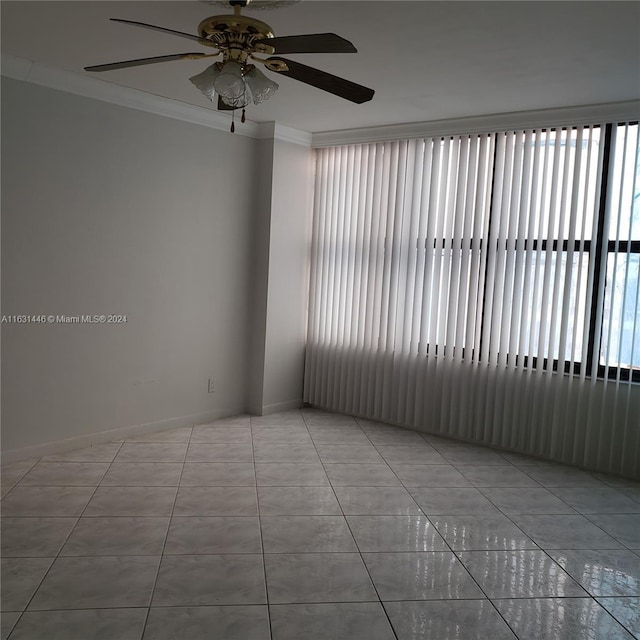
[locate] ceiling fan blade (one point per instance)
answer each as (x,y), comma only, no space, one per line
(144,25)
(223,106)
(325,81)
(141,61)
(310,43)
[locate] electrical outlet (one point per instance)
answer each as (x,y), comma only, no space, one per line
(212,385)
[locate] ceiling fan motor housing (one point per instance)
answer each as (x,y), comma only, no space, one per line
(236,35)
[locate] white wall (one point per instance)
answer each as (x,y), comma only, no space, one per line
(281,275)
(289,256)
(107,210)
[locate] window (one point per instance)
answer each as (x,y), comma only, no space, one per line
(620,337)
(520,248)
(544,218)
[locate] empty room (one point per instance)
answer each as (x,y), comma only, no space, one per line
(320,320)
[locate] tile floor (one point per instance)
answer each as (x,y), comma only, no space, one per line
(309,525)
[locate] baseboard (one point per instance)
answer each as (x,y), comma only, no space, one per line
(276,407)
(121,433)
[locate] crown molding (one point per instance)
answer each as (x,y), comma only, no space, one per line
(284,133)
(564,116)
(81,85)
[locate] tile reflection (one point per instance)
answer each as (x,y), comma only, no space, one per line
(468,533)
(519,574)
(442,620)
(560,619)
(602,572)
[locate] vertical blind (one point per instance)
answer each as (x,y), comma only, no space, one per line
(483,287)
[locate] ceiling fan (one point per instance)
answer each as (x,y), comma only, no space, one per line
(241,41)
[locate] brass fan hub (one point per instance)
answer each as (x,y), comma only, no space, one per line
(236,35)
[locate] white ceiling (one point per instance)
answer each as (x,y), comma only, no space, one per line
(426,60)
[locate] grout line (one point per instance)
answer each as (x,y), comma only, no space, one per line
(331,486)
(57,555)
(166,536)
(364,564)
(264,565)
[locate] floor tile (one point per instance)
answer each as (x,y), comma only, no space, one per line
(122,536)
(520,459)
(186,581)
(300,453)
(65,474)
(596,500)
(491,508)
(248,622)
(104,452)
(275,435)
(291,474)
(143,474)
(395,533)
(97,583)
(623,527)
(175,436)
(306,534)
(556,475)
(218,474)
(219,453)
(496,476)
(463,455)
(216,501)
(564,532)
(338,621)
(447,620)
(19,579)
(132,501)
(283,419)
(376,501)
(10,474)
(519,574)
(203,535)
(332,453)
(317,577)
(420,576)
(365,423)
(242,420)
(399,437)
(383,428)
(338,435)
(411,454)
(626,611)
(602,572)
(560,619)
(481,533)
(34,537)
(616,481)
(46,501)
(151,452)
(526,500)
(324,419)
(630,492)
(440,501)
(361,475)
(97,624)
(8,620)
(298,501)
(221,435)
(429,475)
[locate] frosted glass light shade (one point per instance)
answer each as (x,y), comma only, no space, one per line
(231,87)
(205,81)
(262,88)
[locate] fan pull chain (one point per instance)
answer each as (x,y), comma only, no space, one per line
(242,119)
(233,124)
